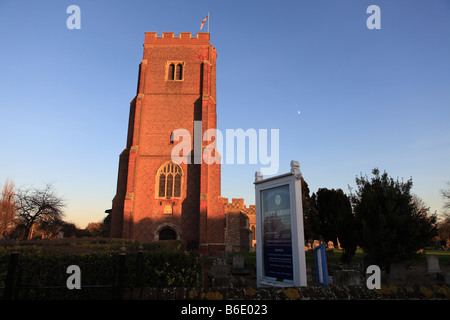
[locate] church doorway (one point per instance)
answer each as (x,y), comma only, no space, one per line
(167,233)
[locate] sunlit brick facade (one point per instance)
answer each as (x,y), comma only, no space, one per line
(155,198)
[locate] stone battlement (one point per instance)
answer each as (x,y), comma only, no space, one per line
(184,38)
(238,204)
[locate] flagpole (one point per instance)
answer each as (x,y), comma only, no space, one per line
(208,22)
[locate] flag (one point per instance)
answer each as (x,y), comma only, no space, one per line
(203,22)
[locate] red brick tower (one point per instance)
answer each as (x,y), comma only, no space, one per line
(157,199)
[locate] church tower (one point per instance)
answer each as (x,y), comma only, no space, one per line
(156,198)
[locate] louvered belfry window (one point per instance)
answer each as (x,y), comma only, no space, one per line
(169,180)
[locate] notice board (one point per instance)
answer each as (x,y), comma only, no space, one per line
(279,230)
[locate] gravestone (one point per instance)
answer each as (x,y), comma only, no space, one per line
(315,243)
(447,277)
(433,263)
(223,257)
(238,262)
(219,274)
(238,266)
(397,273)
(346,278)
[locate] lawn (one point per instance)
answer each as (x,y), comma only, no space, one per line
(334,256)
(90,245)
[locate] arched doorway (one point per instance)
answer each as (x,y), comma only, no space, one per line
(167,233)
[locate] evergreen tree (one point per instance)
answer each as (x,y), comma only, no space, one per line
(310,219)
(337,221)
(391,225)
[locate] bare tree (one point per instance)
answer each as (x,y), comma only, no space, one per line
(444,224)
(446,195)
(38,205)
(7,208)
(419,205)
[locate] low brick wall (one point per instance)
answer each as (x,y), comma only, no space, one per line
(387,292)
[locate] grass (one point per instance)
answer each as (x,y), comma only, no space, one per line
(334,256)
(250,257)
(90,245)
(421,259)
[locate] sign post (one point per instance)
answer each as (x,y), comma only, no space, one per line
(280,254)
(321,265)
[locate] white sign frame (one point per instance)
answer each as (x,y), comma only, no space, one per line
(293,180)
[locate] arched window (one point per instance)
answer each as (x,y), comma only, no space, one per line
(169,181)
(171,72)
(179,72)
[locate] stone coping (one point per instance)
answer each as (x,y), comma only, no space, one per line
(387,292)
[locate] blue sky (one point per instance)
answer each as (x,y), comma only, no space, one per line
(368,98)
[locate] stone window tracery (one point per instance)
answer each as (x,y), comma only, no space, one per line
(169,181)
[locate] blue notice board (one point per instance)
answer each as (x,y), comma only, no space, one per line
(321,265)
(277,233)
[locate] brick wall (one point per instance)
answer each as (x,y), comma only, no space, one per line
(160,107)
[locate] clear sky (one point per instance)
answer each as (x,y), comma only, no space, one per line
(367,98)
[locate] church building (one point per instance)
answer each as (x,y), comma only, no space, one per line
(157,198)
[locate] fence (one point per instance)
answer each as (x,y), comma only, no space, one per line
(48,281)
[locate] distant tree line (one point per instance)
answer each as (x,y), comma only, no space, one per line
(382,216)
(29,212)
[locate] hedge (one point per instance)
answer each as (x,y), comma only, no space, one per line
(42,274)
